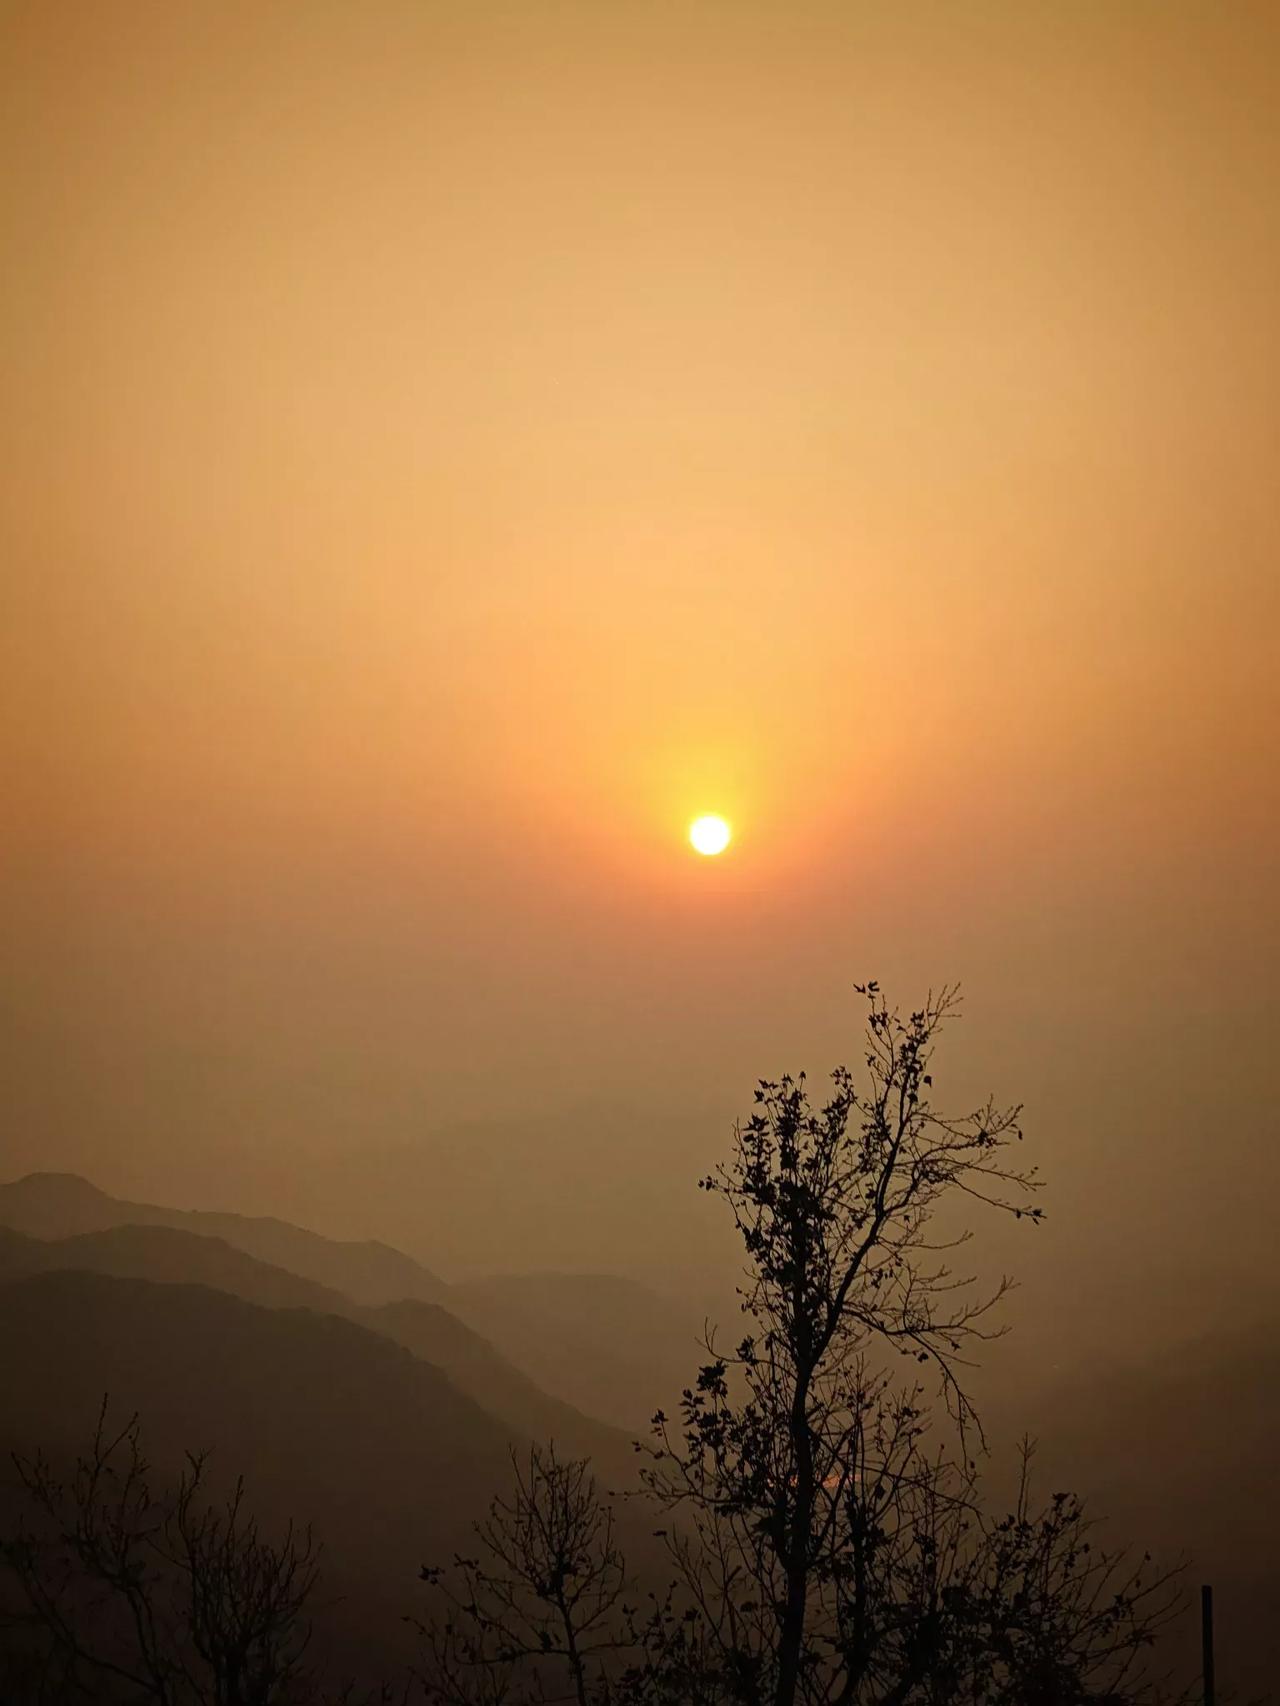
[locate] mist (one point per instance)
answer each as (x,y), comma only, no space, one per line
(448,447)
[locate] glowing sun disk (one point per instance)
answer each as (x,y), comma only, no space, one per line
(709,835)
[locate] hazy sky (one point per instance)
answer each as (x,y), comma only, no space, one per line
(447,446)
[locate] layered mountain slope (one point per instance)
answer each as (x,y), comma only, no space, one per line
(608,1345)
(328,1421)
(165,1255)
(480,1370)
(1177,1452)
(168,1256)
(604,1345)
(61,1205)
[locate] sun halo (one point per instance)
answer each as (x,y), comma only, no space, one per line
(709,835)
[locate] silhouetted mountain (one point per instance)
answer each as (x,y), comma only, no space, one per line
(390,1453)
(60,1205)
(1176,1452)
(608,1345)
(328,1421)
(474,1365)
(166,1255)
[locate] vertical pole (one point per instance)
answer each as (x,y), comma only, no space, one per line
(1206,1642)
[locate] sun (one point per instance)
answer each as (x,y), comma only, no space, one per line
(709,835)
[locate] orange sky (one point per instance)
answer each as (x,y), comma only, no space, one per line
(449,445)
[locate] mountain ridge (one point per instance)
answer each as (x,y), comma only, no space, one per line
(367,1270)
(170,1255)
(329,1423)
(604,1345)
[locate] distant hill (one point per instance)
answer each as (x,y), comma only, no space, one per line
(328,1421)
(391,1446)
(1175,1451)
(62,1205)
(608,1345)
(480,1370)
(167,1255)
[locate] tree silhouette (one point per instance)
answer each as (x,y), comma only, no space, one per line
(828,1542)
(835,1206)
(541,1601)
(128,1594)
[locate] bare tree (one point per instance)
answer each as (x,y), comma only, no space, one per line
(534,1614)
(1024,1609)
(1048,1616)
(827,1538)
(926,1602)
(126,1594)
(836,1208)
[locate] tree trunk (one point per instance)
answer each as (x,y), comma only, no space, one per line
(796,1562)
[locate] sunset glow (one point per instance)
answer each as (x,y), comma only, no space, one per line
(709,835)
(540,546)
